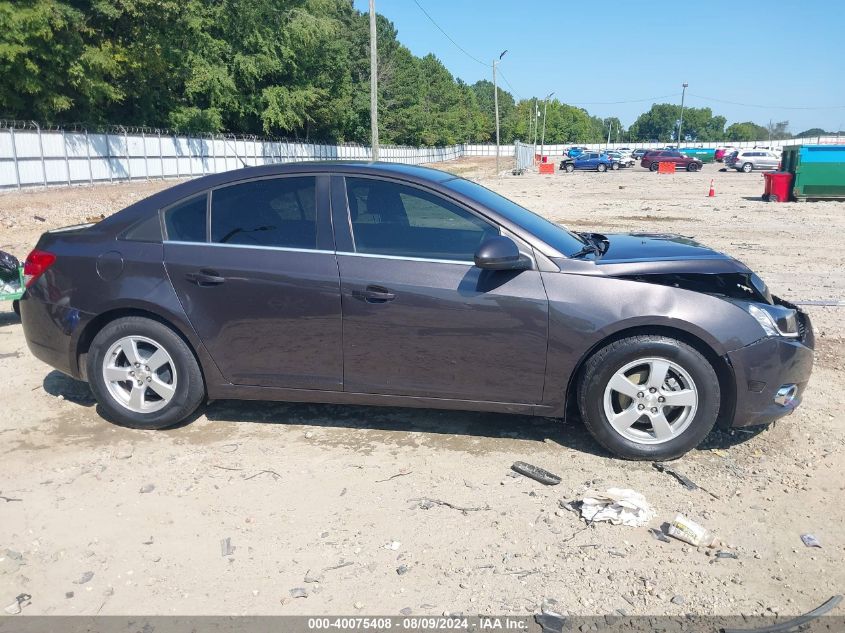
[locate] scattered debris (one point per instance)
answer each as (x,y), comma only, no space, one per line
(9,499)
(536,473)
(401,473)
(550,623)
(617,505)
(551,606)
(309,435)
(299,592)
(86,577)
(810,540)
(402,570)
(660,535)
(264,472)
(22,600)
(677,599)
(226,548)
(11,355)
(426,504)
(39,218)
(405,611)
(794,623)
(358,605)
(689,531)
(310,578)
(723,554)
(340,566)
(147,488)
(393,545)
(69,594)
(149,541)
(686,482)
(225,467)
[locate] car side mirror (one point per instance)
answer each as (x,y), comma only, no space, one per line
(500,253)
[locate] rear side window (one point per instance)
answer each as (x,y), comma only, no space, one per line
(148,230)
(186,221)
(278,212)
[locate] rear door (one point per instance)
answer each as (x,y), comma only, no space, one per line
(419,319)
(253,264)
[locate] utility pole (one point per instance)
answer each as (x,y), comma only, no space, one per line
(536,122)
(609,130)
(543,138)
(681,122)
(373,80)
(496,107)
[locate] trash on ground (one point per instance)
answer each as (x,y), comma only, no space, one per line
(147,488)
(226,548)
(794,623)
(20,602)
(86,577)
(810,540)
(425,503)
(723,554)
(393,545)
(685,481)
(660,535)
(550,623)
(299,592)
(309,577)
(617,505)
(402,570)
(689,531)
(536,473)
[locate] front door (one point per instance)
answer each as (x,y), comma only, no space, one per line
(260,285)
(419,319)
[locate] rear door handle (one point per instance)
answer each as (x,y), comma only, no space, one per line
(205,278)
(374,294)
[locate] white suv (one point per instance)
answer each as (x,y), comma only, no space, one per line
(749,159)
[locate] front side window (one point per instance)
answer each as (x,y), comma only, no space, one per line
(277,212)
(393,219)
(186,220)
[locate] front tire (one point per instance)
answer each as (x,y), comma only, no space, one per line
(692,167)
(601,167)
(649,397)
(569,168)
(143,374)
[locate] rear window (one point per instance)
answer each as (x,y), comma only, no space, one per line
(148,230)
(186,221)
(277,212)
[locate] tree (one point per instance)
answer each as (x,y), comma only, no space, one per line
(779,130)
(746,131)
(813,131)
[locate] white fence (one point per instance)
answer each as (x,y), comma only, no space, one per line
(34,157)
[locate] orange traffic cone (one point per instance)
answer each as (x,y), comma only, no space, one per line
(712,193)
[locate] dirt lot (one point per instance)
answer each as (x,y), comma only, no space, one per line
(310,496)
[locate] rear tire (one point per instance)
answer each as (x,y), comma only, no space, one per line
(643,426)
(16,306)
(747,167)
(654,166)
(136,394)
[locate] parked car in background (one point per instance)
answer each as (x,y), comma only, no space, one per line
(598,161)
(396,285)
(575,152)
(624,159)
(748,160)
(723,152)
(638,154)
(652,160)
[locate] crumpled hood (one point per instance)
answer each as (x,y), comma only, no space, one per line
(647,253)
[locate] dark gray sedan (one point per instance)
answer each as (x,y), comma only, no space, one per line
(392,285)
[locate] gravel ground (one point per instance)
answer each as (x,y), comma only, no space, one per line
(324,501)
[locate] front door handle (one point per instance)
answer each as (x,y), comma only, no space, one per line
(374,294)
(205,278)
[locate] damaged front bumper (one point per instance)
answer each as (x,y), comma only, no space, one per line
(771,376)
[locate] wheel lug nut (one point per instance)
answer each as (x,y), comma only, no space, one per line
(131,373)
(140,383)
(640,394)
(661,399)
(137,364)
(149,379)
(652,390)
(640,407)
(654,409)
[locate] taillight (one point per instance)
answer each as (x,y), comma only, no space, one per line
(37,263)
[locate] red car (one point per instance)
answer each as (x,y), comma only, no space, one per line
(722,153)
(652,160)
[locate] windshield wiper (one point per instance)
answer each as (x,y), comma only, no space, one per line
(588,248)
(597,247)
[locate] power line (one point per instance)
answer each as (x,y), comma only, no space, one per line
(449,37)
(769,107)
(624,101)
(516,94)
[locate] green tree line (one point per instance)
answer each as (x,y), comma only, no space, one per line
(292,68)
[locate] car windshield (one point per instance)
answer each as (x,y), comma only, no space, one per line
(555,235)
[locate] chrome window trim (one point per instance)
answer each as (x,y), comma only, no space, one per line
(403,258)
(251,246)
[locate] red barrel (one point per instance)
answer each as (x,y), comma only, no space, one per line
(778,184)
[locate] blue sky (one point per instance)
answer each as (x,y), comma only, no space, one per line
(777,54)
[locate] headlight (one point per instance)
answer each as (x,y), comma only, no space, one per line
(775,320)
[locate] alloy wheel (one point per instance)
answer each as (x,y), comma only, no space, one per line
(650,400)
(140,374)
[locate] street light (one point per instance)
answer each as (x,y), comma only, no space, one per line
(496,106)
(681,122)
(543,138)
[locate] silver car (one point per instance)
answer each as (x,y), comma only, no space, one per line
(749,159)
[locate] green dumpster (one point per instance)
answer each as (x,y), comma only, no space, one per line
(704,154)
(818,171)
